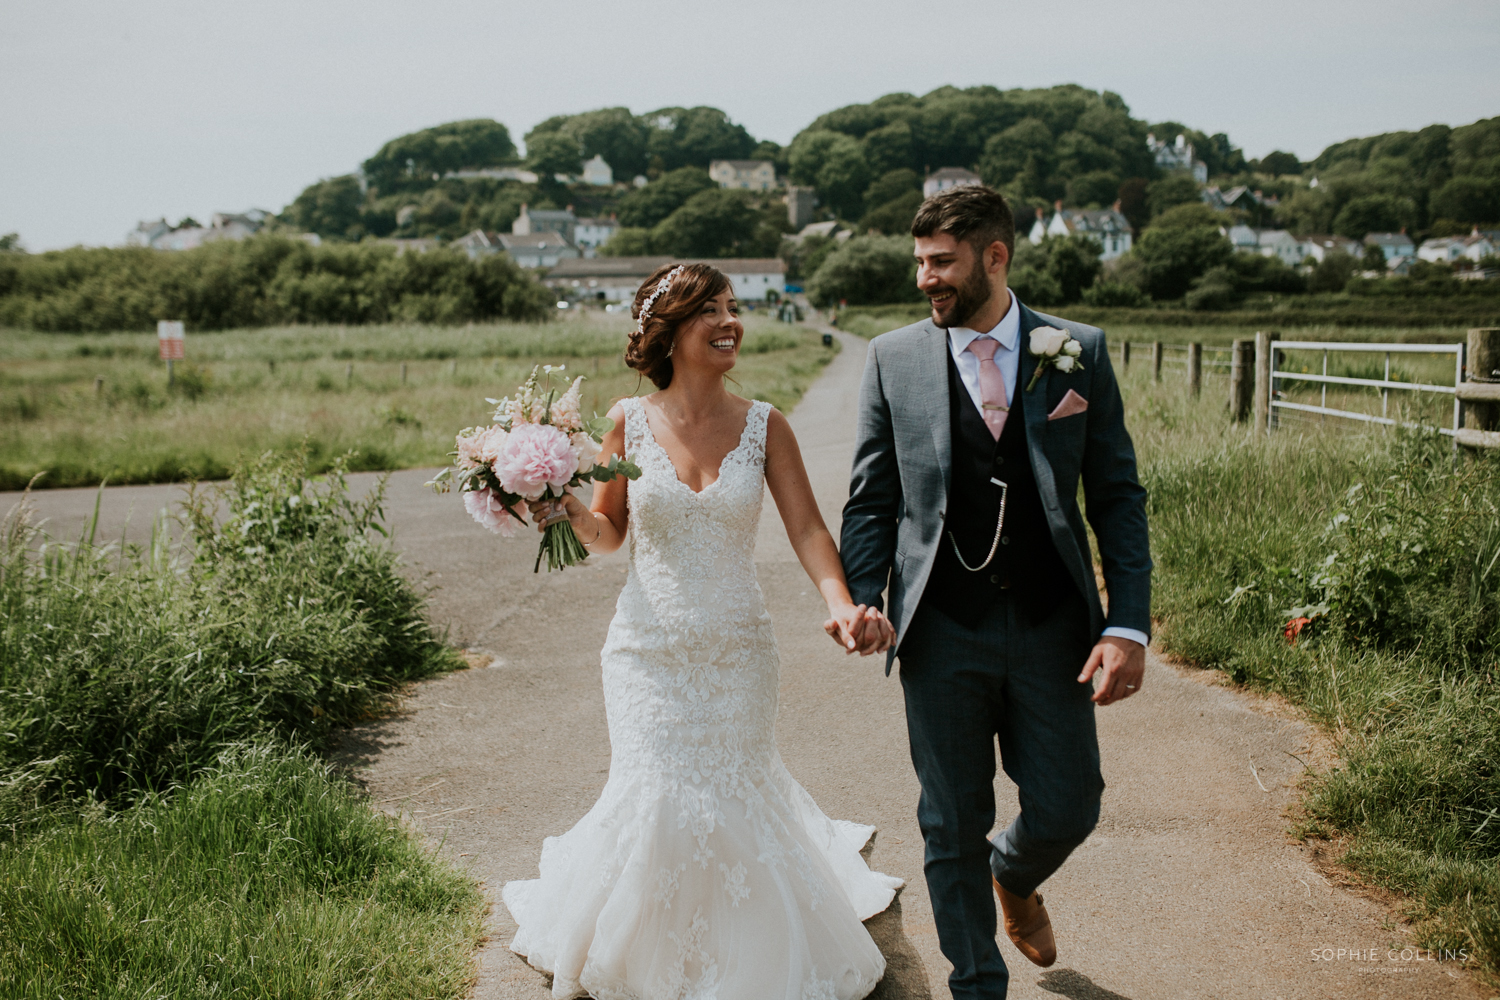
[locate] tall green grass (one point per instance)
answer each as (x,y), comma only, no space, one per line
(165,829)
(1389,544)
(267,876)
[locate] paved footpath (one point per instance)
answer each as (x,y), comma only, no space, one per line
(1189,888)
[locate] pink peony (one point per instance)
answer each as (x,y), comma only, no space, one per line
(535,457)
(586,448)
(487,509)
(469,444)
(490,443)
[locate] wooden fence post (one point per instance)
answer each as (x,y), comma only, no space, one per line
(1124,355)
(1195,368)
(1483,363)
(1156,360)
(1241,380)
(1262,388)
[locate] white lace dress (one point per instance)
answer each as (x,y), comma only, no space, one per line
(704,870)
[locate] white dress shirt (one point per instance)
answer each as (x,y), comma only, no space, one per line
(1008,359)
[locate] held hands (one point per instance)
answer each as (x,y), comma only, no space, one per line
(860,629)
(1124,665)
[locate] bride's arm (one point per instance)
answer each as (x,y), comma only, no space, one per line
(863,628)
(601,529)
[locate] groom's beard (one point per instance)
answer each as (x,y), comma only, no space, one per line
(968,298)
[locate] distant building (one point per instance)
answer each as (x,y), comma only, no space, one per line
(1177,156)
(478,243)
(591,234)
(1320,246)
(1478,245)
(1107,226)
(1283,246)
(602,279)
(1393,245)
(948,177)
(800,204)
(1244,239)
(404,246)
(492,174)
(544,249)
(749,175)
(222,226)
(751,277)
(534,221)
(829,228)
(1241,198)
(597,172)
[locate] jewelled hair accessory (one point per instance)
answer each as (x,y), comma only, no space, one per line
(661,289)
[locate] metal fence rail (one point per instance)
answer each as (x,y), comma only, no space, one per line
(1385,385)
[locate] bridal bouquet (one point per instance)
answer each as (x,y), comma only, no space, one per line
(539,447)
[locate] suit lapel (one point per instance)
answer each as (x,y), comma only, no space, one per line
(932,383)
(1035,409)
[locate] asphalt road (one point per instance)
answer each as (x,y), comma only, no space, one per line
(1189,888)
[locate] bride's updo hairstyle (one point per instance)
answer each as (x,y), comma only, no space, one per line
(674,293)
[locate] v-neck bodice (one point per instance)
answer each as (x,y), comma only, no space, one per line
(692,553)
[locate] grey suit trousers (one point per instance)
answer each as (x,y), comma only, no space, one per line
(964,688)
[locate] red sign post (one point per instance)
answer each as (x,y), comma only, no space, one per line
(169,342)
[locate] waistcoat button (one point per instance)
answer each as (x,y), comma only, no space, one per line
(1005,540)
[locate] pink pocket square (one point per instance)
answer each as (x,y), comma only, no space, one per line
(1071,403)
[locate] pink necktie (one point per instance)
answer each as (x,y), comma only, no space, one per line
(991,384)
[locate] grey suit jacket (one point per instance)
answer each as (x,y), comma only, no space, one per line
(898,490)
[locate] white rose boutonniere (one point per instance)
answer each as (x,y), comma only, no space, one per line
(1051,346)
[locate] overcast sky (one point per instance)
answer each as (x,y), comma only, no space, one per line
(114,112)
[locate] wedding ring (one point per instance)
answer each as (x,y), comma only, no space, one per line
(1129,687)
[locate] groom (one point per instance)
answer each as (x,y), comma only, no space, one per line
(963,501)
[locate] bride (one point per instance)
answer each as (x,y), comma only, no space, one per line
(705,869)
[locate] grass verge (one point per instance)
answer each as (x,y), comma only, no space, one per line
(90,407)
(165,829)
(1389,549)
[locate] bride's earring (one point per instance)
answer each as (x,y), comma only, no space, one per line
(671,349)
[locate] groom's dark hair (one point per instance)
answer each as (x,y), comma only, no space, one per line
(973,213)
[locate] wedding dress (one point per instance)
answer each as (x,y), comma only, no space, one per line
(704,870)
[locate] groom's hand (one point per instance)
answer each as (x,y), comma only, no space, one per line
(1123,662)
(860,629)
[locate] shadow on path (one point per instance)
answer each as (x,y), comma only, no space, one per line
(1076,986)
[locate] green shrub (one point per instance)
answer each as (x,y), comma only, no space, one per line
(867,270)
(260,281)
(124,672)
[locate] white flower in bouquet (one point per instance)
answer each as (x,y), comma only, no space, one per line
(468,448)
(567,412)
(584,449)
(486,508)
(536,457)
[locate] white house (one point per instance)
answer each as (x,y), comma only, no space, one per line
(1244,239)
(1393,245)
(591,234)
(1282,245)
(602,279)
(1108,227)
(597,172)
(146,232)
(543,249)
(1319,246)
(948,177)
(750,175)
(1177,156)
(493,174)
(1443,250)
(1479,245)
(751,277)
(159,235)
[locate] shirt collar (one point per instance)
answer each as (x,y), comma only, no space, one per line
(1007,331)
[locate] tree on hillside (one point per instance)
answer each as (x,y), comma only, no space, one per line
(691,137)
(331,208)
(647,206)
(1277,163)
(411,160)
(867,270)
(1176,188)
(713,223)
(834,163)
(1468,199)
(1055,271)
(552,153)
(613,133)
(1383,213)
(1171,256)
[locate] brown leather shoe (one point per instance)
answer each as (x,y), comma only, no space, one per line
(1027,924)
